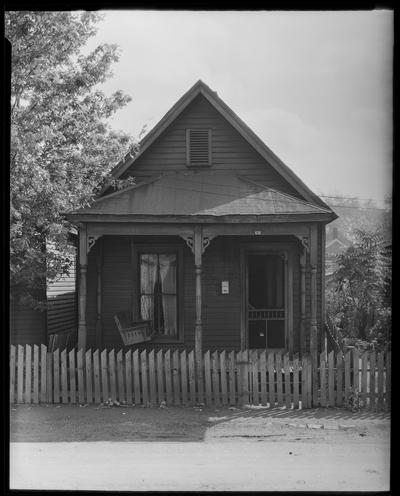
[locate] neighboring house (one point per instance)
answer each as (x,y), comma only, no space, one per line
(336,244)
(219,244)
(55,326)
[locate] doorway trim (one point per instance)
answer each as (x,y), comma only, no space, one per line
(288,250)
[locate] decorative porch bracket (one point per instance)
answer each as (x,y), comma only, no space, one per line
(91,240)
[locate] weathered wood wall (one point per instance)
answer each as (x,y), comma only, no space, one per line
(62,301)
(231,153)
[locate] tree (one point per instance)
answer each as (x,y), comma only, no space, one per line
(62,147)
(359,305)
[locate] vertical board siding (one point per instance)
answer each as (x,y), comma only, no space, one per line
(149,378)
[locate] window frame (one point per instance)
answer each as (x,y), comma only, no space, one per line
(198,164)
(160,249)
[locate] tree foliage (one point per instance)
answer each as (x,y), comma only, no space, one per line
(359,304)
(62,147)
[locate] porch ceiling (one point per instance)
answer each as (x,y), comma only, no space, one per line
(203,193)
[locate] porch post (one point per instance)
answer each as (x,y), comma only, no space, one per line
(303,258)
(313,263)
(82,286)
(99,263)
(198,338)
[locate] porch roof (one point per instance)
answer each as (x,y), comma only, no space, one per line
(202,193)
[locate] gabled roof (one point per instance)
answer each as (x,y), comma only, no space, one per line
(202,89)
(205,193)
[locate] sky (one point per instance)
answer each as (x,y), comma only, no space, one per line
(316,87)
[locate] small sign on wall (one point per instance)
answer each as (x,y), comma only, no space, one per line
(225,287)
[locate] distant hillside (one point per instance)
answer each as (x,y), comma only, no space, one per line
(355,214)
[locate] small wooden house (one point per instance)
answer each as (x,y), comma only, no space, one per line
(219,245)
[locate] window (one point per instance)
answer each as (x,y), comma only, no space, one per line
(158,292)
(198,147)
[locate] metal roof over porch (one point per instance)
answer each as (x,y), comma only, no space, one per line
(203,193)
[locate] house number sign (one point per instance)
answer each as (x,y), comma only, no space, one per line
(225,287)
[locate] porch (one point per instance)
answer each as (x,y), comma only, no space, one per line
(248,289)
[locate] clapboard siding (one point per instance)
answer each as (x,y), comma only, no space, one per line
(230,151)
(221,313)
(27,326)
(62,300)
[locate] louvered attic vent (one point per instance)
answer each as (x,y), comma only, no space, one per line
(198,147)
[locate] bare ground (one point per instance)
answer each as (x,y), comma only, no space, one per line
(66,423)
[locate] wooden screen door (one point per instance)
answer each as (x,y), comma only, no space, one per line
(266,312)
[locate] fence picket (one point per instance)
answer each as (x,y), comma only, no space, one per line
(160,377)
(128,376)
(246,390)
(72,376)
(224,382)
(215,378)
(322,380)
(104,376)
(271,380)
(64,377)
(372,384)
(56,371)
(184,382)
(113,375)
(43,372)
(339,379)
(356,376)
(263,377)
(136,377)
(20,374)
(380,378)
(88,372)
(331,379)
(207,373)
(192,378)
(364,378)
(304,384)
(310,385)
(152,379)
(28,373)
(12,374)
(232,379)
(81,384)
(296,391)
(347,377)
(279,378)
(120,376)
(49,378)
(254,378)
(35,373)
(168,379)
(175,376)
(96,377)
(388,378)
(145,382)
(288,395)
(200,378)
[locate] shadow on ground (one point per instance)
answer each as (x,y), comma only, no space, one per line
(67,423)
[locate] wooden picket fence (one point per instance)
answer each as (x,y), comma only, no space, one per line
(150,378)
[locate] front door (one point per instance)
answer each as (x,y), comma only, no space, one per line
(266,312)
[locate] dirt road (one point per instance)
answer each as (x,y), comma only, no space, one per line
(228,466)
(241,449)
